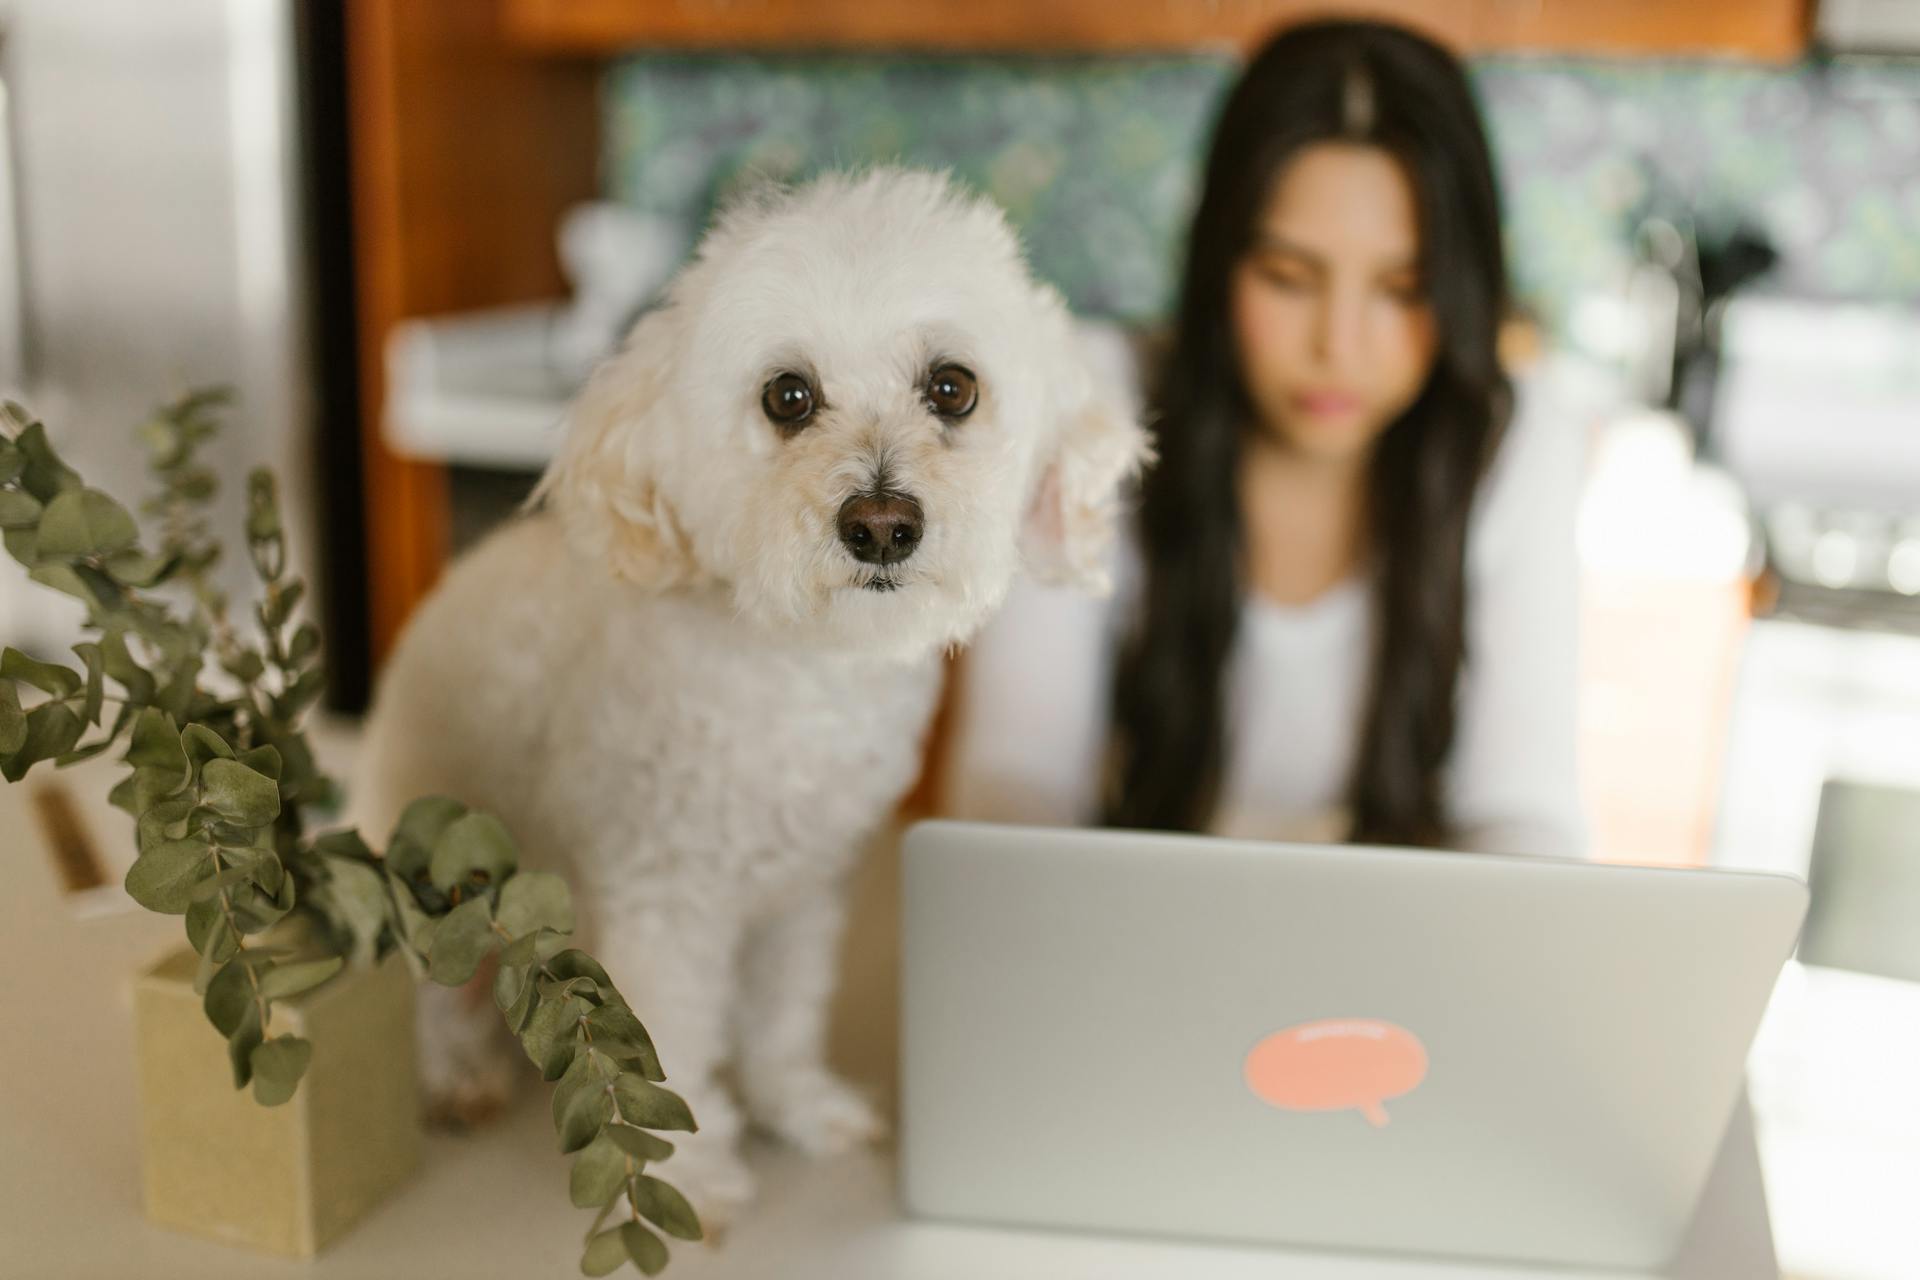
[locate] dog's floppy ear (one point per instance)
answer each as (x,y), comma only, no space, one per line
(603,484)
(1098,445)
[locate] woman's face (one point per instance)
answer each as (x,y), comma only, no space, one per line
(1334,334)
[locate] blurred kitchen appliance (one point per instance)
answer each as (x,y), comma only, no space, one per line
(488,389)
(164,174)
(1819,420)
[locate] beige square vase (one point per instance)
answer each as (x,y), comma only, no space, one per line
(291,1178)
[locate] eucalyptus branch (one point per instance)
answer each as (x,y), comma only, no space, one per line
(221,784)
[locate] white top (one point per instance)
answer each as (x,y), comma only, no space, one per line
(1031,714)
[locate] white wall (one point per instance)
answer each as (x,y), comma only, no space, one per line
(158,233)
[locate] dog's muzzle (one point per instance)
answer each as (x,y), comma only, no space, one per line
(881,528)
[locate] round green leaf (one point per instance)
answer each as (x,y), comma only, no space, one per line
(263,760)
(648,1105)
(580,1074)
(301,694)
(606,1253)
(259,863)
(175,818)
(44,475)
(520,951)
(345,843)
(66,579)
(282,599)
(460,943)
(533,900)
(582,987)
(552,1035)
(644,1247)
(47,677)
(520,1012)
(277,1067)
(132,677)
(156,745)
(476,844)
(203,746)
(419,827)
(13,720)
(78,754)
(246,666)
(359,894)
(581,1105)
(164,877)
(263,510)
(241,1044)
(284,981)
(18,510)
(416,926)
(85,522)
(22,544)
(210,888)
(541,943)
(208,931)
(509,980)
(136,569)
(254,910)
(96,680)
(575,963)
(229,999)
(53,729)
(638,1143)
(305,643)
(617,1032)
(599,1174)
(663,1206)
(239,794)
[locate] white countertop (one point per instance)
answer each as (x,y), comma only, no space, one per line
(494,1203)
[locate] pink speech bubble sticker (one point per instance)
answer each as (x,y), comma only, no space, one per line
(1337,1064)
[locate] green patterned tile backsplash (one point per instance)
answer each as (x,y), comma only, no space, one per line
(1824,159)
(1097,159)
(1093,158)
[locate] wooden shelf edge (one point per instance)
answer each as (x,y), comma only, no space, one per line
(1774,31)
(609,27)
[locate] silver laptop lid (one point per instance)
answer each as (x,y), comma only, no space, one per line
(1327,1046)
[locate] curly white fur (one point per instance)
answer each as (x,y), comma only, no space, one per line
(675,683)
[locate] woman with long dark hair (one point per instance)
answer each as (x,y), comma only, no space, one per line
(1348,610)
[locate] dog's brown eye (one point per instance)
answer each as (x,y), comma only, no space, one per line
(788,400)
(951,391)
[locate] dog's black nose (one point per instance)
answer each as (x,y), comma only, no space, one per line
(881,528)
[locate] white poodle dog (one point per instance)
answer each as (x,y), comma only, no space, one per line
(697,676)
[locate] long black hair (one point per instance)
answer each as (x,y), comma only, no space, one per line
(1354,82)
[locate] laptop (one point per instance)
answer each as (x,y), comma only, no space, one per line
(1443,1054)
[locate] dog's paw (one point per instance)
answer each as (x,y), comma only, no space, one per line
(469,1070)
(466,1085)
(468,1103)
(818,1113)
(713,1178)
